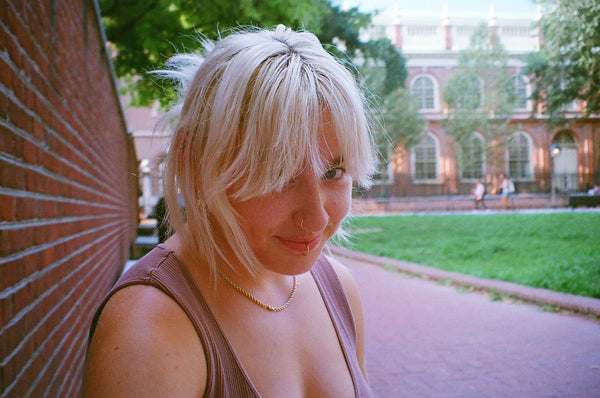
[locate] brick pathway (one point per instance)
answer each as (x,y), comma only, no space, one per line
(424,339)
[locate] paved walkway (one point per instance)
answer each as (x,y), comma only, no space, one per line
(426,339)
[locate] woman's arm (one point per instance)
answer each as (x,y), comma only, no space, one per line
(144,345)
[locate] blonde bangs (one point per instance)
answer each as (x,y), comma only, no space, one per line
(279,128)
(287,100)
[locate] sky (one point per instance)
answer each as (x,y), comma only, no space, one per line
(503,6)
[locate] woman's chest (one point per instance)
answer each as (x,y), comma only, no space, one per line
(294,353)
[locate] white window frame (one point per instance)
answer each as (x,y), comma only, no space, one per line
(529,167)
(434,93)
(413,158)
(527,88)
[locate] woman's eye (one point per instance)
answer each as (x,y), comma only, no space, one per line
(334,174)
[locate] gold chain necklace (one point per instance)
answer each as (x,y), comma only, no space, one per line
(254,299)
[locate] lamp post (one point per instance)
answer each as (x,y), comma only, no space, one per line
(554,150)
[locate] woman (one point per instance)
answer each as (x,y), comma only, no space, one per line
(239,302)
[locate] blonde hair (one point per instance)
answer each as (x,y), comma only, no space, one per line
(251,106)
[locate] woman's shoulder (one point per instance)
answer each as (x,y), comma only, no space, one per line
(341,270)
(144,342)
(348,283)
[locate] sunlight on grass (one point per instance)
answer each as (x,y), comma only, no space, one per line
(559,251)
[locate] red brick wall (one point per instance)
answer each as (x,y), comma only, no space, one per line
(68,191)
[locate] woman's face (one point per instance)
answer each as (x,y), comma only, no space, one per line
(287,229)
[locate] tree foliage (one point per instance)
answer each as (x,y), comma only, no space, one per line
(382,51)
(144,34)
(342,27)
(403,121)
(402,124)
(481,96)
(384,71)
(567,67)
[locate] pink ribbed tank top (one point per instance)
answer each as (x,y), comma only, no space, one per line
(226,378)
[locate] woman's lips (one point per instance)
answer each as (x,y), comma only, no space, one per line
(300,245)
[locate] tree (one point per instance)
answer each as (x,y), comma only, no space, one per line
(481,98)
(400,123)
(567,67)
(338,26)
(144,34)
(399,116)
(404,124)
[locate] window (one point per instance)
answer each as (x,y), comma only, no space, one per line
(425,159)
(521,94)
(565,138)
(519,157)
(570,107)
(423,87)
(473,158)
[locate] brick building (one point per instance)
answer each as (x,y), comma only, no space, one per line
(68,191)
(431,41)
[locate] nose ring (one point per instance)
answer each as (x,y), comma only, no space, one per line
(307,249)
(302,223)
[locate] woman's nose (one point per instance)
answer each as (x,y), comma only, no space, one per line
(311,214)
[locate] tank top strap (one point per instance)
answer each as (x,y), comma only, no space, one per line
(340,313)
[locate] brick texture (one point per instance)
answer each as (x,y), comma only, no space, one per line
(68,191)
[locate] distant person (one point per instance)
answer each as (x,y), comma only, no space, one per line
(479,195)
(595,191)
(507,188)
(242,301)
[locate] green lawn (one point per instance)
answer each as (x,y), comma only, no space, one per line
(558,251)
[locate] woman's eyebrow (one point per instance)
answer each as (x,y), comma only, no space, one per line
(335,161)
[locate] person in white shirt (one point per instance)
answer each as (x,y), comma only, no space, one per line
(479,193)
(507,188)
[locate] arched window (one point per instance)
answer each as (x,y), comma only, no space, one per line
(473,158)
(521,92)
(424,89)
(519,157)
(564,138)
(425,157)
